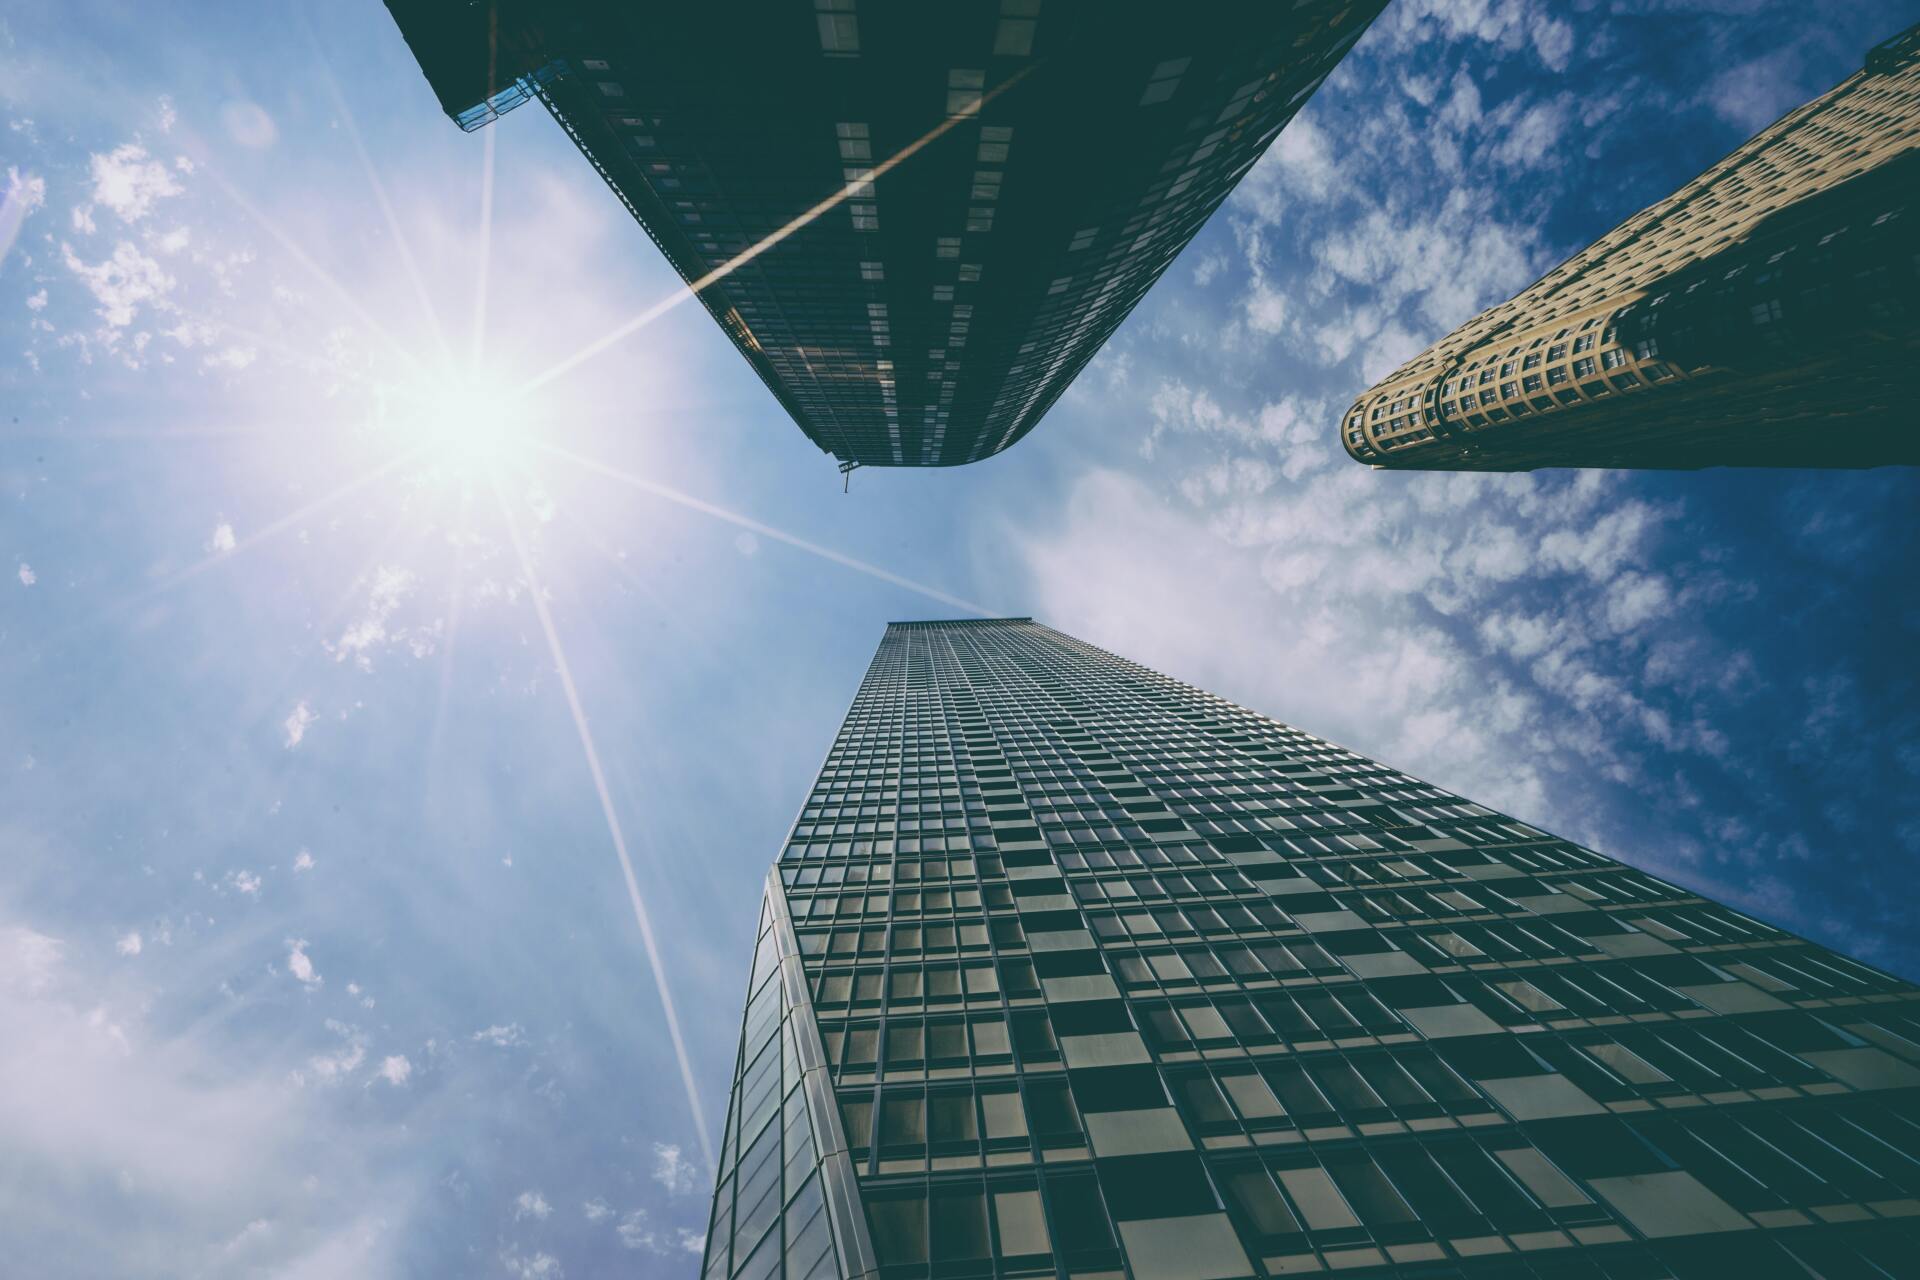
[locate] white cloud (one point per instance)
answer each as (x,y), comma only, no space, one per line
(1754,94)
(244,882)
(232,359)
(192,1139)
(303,861)
(538,1266)
(635,1232)
(24,193)
(221,540)
(297,723)
(395,1070)
(121,283)
(506,1037)
(1529,132)
(129,181)
(672,1170)
(27,576)
(596,1210)
(1507,24)
(389,586)
(37,301)
(1266,308)
(300,964)
(531,1204)
(335,1065)
(129,943)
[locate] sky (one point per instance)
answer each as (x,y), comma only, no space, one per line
(325,757)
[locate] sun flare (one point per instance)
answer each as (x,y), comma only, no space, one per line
(467,421)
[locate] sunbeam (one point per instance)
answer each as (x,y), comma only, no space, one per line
(765,530)
(486,250)
(773,238)
(394,229)
(305,259)
(640,916)
(276,528)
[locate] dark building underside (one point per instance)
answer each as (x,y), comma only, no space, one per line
(1060,157)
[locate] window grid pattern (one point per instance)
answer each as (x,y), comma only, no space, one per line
(1110,975)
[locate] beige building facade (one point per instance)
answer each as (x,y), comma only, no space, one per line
(1765,314)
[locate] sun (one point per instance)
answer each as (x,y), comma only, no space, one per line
(466,421)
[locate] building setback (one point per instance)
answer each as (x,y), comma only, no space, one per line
(1058,155)
(1765,314)
(1069,969)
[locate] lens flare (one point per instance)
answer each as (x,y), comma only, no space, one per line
(466,423)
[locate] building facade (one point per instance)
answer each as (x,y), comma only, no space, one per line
(1765,314)
(917,222)
(1069,969)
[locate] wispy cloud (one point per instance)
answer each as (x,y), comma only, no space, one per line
(672,1170)
(24,193)
(509,1036)
(300,964)
(298,721)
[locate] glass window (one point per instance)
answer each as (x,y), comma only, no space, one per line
(903,1120)
(1252,1192)
(899,1230)
(1319,1201)
(1005,1118)
(906,1043)
(1023,1226)
(1077,1218)
(959,1224)
(1251,1096)
(1367,1190)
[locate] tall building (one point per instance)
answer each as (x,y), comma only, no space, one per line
(1765,314)
(1069,969)
(996,182)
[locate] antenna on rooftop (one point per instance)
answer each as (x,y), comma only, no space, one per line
(846,475)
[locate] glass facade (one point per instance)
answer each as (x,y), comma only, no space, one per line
(917,222)
(1070,969)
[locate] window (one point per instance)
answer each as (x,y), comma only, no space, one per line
(899,1229)
(959,1225)
(1023,1227)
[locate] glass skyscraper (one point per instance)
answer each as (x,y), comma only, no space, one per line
(1070,969)
(916,221)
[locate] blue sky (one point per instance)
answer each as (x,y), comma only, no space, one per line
(315,952)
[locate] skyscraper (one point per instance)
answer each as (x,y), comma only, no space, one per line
(1765,314)
(1070,969)
(917,222)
